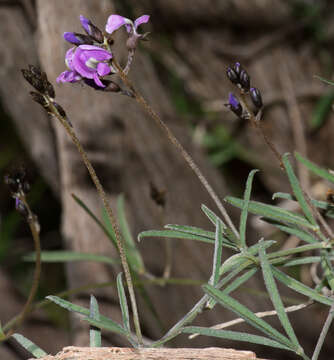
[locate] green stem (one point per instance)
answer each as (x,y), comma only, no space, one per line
(113,221)
(171,137)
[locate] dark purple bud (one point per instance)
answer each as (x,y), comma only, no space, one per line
(244,80)
(78,39)
(60,110)
(238,68)
(17,181)
(111,86)
(256,97)
(48,87)
(91,29)
(39,98)
(234,105)
(232,75)
(38,80)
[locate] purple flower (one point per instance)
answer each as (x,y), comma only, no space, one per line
(116,21)
(77,39)
(69,75)
(233,101)
(88,62)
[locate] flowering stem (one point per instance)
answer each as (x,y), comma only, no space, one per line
(171,137)
(34,228)
(103,197)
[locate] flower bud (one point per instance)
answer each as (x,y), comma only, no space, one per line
(234,105)
(17,181)
(256,97)
(78,39)
(244,80)
(232,75)
(92,30)
(238,68)
(39,98)
(34,80)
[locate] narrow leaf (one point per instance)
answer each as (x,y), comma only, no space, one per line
(135,259)
(192,230)
(272,212)
(36,351)
(83,311)
(244,212)
(233,335)
(300,287)
(94,333)
(110,235)
(246,314)
(213,218)
(217,255)
(123,303)
(69,256)
(323,173)
(291,230)
(276,298)
(324,80)
(297,190)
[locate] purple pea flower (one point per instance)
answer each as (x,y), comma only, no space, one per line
(90,62)
(86,61)
(70,75)
(116,21)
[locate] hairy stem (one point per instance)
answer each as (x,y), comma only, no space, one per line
(113,221)
(34,228)
(171,137)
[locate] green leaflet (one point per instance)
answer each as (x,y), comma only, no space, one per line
(94,334)
(123,303)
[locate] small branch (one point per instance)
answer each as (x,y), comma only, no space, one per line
(258,314)
(34,228)
(296,120)
(324,332)
(171,137)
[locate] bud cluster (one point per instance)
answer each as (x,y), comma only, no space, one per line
(240,77)
(19,186)
(45,93)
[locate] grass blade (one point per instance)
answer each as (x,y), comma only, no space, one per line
(123,303)
(300,287)
(276,298)
(234,335)
(94,333)
(244,212)
(36,351)
(297,190)
(217,255)
(69,256)
(323,173)
(246,314)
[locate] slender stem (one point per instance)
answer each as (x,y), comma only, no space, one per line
(103,197)
(323,333)
(34,228)
(171,137)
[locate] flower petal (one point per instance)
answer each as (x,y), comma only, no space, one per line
(142,20)
(71,38)
(68,76)
(115,22)
(69,57)
(103,69)
(98,81)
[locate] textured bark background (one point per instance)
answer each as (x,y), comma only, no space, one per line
(129,151)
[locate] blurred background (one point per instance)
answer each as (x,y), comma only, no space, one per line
(181,70)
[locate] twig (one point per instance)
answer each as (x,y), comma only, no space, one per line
(103,197)
(258,314)
(324,332)
(171,137)
(296,120)
(34,228)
